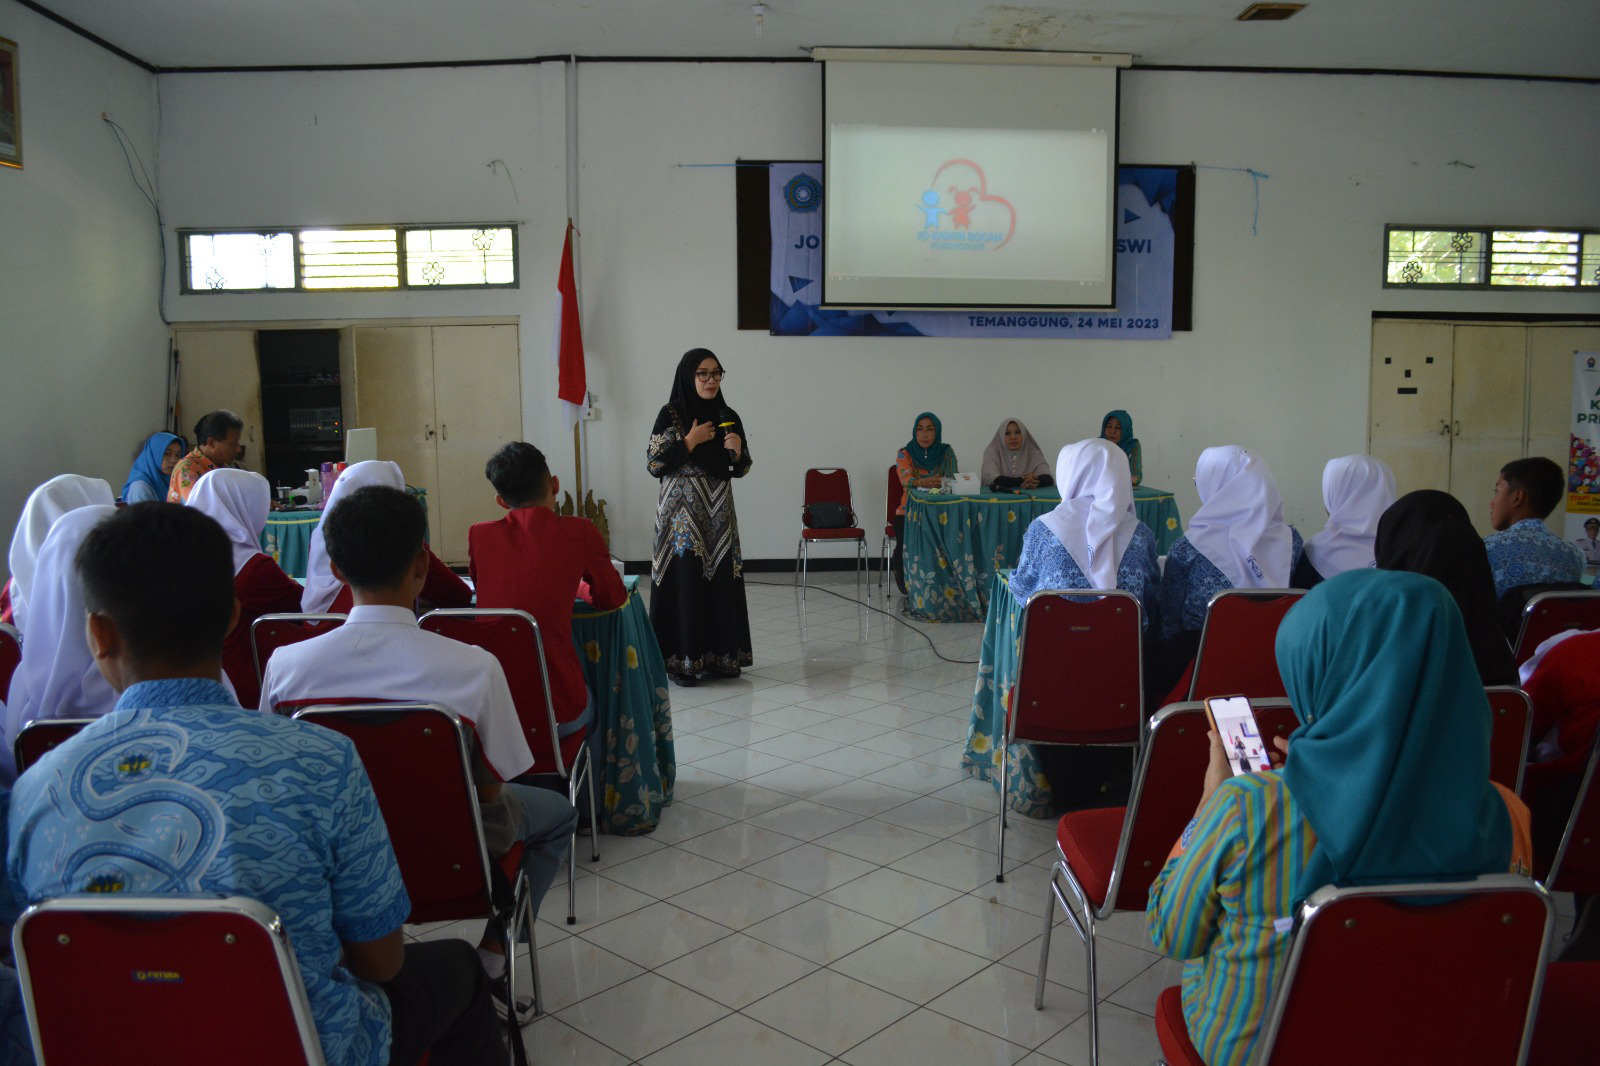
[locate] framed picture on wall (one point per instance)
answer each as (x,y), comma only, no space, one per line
(10,113)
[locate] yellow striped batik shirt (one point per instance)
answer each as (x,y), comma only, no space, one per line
(1225,903)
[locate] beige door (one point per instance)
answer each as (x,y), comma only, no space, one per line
(1550,352)
(478,399)
(1488,407)
(217,368)
(1410,401)
(394,386)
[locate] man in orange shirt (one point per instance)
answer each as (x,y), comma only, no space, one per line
(216,444)
(533,559)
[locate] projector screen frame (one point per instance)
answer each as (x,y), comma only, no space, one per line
(1115,62)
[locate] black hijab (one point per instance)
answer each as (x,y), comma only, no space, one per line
(711,456)
(1429,532)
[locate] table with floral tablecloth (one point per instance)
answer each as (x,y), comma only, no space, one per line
(624,669)
(954,545)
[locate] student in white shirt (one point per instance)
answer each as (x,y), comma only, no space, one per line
(374,540)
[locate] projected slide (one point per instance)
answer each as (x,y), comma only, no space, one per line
(975,204)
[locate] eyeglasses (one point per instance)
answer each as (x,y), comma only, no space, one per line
(709,375)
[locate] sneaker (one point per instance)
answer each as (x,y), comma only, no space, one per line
(497,993)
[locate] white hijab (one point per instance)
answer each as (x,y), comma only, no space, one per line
(58,677)
(321,585)
(1094,520)
(239,501)
(49,502)
(1239,525)
(1356,489)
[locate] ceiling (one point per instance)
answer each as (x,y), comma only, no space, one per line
(1544,38)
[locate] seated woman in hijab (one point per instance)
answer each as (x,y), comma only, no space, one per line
(1117,427)
(1429,532)
(923,463)
(46,505)
(239,501)
(326,594)
(152,468)
(1387,781)
(57,677)
(1356,490)
(1013,460)
(1090,541)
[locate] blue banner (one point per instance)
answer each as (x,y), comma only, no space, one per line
(1144,252)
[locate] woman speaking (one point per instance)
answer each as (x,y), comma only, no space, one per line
(697,601)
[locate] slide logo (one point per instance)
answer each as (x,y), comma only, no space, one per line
(960,214)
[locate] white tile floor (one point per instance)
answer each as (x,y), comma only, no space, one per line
(822,889)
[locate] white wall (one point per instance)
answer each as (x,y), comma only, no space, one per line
(82,347)
(1277,360)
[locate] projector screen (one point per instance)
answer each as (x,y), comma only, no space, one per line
(968,184)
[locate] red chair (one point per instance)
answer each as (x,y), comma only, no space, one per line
(893,497)
(1564,1030)
(1550,613)
(558,746)
(1275,718)
(10,657)
(98,971)
(1512,713)
(1373,976)
(273,631)
(828,486)
(1079,678)
(417,758)
(1237,653)
(1111,855)
(42,734)
(1576,867)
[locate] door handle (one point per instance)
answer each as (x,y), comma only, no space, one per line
(1457,432)
(444,432)
(428,432)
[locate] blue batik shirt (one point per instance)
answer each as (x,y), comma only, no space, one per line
(1529,554)
(1046,564)
(179,791)
(1191,580)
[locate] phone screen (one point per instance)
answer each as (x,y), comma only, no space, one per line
(1235,724)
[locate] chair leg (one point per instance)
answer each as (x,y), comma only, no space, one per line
(805,567)
(861,564)
(526,923)
(1094,1004)
(798,548)
(1000,841)
(594,810)
(1044,942)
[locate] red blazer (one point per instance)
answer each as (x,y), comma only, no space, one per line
(262,588)
(532,560)
(442,589)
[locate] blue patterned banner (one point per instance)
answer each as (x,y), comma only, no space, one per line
(1145,257)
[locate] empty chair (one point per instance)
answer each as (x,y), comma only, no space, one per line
(1079,678)
(894,495)
(1549,613)
(147,980)
(1452,981)
(273,631)
(828,516)
(1236,644)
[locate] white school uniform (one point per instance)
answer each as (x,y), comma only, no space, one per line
(381,654)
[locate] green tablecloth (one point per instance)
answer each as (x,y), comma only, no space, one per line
(623,666)
(1028,790)
(955,544)
(287,538)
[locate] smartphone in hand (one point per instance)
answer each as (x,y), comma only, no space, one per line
(1235,724)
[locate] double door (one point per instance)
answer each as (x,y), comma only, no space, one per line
(443,399)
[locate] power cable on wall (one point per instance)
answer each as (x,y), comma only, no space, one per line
(148,190)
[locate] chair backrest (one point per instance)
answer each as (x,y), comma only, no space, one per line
(830,486)
(160,979)
(1411,973)
(416,756)
(1275,718)
(893,497)
(42,734)
(1079,668)
(1550,613)
(1171,769)
(1237,655)
(1512,713)
(1576,867)
(273,631)
(10,657)
(514,639)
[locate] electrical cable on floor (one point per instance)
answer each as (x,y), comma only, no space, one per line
(887,614)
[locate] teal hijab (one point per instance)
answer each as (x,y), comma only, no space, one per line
(1128,441)
(1391,766)
(936,456)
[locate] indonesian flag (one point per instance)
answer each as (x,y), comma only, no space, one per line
(567,347)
